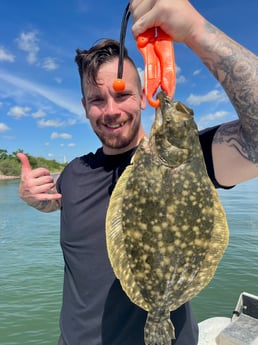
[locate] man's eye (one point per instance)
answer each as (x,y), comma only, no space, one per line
(122,96)
(95,100)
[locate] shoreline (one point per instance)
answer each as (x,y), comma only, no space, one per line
(6,177)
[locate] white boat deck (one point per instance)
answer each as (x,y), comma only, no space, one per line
(241,329)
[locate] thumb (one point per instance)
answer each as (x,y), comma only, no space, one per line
(25,162)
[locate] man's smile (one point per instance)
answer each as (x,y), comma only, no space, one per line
(114,125)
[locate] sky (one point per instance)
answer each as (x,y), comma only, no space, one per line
(40,97)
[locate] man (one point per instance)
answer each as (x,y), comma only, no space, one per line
(95,310)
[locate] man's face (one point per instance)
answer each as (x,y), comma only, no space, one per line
(115,116)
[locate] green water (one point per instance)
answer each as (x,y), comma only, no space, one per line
(31,272)
(238,270)
(31,266)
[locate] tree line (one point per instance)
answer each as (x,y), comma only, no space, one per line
(10,165)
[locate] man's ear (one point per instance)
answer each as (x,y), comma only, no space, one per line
(84,106)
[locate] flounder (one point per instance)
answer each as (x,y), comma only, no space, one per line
(166,229)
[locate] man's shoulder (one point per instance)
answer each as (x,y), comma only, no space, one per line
(85,159)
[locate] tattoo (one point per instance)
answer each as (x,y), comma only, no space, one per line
(232,134)
(236,69)
(46,205)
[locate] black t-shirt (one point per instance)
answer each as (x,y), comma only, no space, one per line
(95,310)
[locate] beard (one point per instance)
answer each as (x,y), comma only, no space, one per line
(118,140)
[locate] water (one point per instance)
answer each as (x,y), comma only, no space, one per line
(31,270)
(238,270)
(31,266)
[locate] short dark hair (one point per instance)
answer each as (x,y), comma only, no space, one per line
(89,61)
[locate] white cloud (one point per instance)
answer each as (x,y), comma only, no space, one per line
(213,119)
(181,79)
(58,80)
(3,127)
(9,137)
(215,116)
(197,72)
(71,145)
(6,56)
(28,42)
(38,114)
(59,98)
(212,96)
(71,122)
(178,69)
(56,135)
(18,112)
(50,123)
(49,64)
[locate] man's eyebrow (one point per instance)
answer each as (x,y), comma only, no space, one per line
(92,96)
(125,92)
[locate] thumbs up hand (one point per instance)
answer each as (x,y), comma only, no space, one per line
(37,187)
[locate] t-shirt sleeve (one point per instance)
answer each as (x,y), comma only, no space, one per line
(58,182)
(206,138)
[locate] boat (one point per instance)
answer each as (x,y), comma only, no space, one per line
(240,329)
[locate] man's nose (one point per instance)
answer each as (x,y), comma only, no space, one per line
(111,106)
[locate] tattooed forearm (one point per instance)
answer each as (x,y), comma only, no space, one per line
(233,135)
(46,205)
(236,69)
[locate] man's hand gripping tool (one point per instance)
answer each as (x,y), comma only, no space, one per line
(158,53)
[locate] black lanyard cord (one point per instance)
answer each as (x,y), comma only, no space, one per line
(125,19)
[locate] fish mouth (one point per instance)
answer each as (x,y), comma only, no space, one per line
(164,99)
(164,110)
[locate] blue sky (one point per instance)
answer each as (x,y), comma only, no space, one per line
(40,99)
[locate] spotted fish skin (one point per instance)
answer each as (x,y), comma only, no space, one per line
(166,229)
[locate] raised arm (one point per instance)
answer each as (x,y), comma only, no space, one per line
(37,187)
(235,145)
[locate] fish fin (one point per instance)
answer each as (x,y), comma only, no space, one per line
(158,331)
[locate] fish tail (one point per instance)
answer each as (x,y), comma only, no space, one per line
(158,331)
